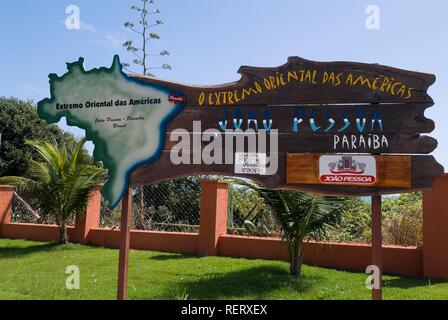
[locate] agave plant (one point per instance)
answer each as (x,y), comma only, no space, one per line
(61,182)
(301,216)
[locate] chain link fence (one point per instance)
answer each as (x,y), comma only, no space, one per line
(249,215)
(172,206)
(25,209)
(167,206)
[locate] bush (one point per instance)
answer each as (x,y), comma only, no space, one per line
(402,221)
(249,215)
(355,222)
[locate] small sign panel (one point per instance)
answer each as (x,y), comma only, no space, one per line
(338,173)
(250,163)
(347,169)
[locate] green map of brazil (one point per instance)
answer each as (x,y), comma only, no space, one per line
(125,118)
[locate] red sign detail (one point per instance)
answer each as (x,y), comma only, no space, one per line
(177,99)
(347,165)
(348,179)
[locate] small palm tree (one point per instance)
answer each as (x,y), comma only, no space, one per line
(61,183)
(302,217)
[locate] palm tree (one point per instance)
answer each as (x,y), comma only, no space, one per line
(61,183)
(302,217)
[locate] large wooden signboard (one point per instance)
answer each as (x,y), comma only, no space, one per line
(314,108)
(304,125)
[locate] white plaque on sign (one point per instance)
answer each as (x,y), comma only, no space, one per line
(250,163)
(347,169)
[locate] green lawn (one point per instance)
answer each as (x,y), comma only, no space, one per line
(36,270)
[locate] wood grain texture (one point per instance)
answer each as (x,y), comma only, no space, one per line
(305,81)
(308,90)
(396,118)
(392,171)
(321,143)
(424,170)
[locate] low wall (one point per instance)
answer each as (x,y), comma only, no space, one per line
(147,240)
(406,261)
(140,240)
(435,230)
(36,232)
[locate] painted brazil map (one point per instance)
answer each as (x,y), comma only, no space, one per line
(124,118)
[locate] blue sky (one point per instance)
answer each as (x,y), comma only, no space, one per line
(209,40)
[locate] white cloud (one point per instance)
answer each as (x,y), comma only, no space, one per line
(108,39)
(114,41)
(83,26)
(88,27)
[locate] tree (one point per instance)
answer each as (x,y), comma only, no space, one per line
(302,217)
(143,31)
(61,183)
(19,122)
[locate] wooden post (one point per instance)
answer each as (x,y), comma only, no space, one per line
(126,215)
(377,257)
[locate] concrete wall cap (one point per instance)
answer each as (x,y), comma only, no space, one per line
(7,188)
(216,182)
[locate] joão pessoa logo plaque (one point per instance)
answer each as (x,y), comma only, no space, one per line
(347,169)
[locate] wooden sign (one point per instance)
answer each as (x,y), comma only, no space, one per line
(302,81)
(393,128)
(424,169)
(345,169)
(272,125)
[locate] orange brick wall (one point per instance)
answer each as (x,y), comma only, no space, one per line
(435,230)
(347,256)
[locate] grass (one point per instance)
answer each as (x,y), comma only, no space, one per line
(36,270)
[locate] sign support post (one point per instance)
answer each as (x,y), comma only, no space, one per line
(125,233)
(377,256)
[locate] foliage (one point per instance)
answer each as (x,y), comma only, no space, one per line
(355,222)
(402,220)
(19,122)
(175,201)
(249,214)
(141,52)
(110,218)
(181,294)
(301,217)
(165,206)
(61,183)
